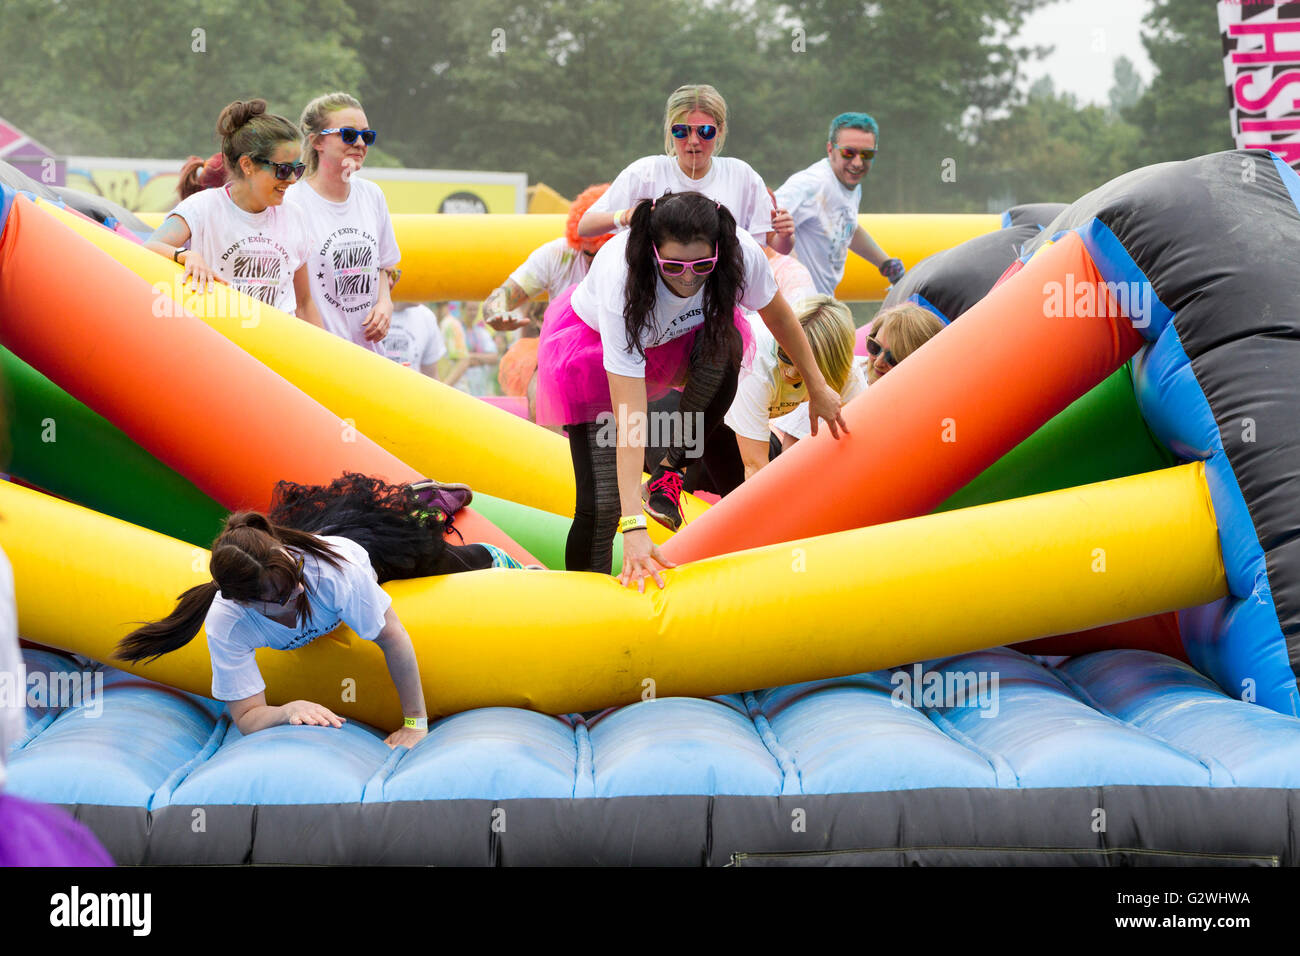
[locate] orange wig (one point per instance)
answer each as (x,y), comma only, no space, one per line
(580,206)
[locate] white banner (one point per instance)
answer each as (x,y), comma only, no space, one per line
(1261,64)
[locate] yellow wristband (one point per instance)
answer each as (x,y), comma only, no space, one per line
(417,723)
(632,523)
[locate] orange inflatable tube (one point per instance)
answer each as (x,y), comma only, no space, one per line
(934,423)
(194,400)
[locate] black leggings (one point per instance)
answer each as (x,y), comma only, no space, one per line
(590,547)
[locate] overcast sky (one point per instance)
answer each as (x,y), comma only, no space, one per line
(1089,35)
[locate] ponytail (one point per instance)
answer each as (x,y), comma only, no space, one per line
(174,631)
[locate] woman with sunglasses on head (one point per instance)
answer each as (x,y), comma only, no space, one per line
(695,129)
(353,250)
(660,307)
(316,560)
(242,234)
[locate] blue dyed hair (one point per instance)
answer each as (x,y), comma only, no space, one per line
(853,121)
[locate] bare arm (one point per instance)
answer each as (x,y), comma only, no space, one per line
(405,671)
(595,222)
(753,454)
(641,557)
(781,238)
(508,297)
(169,237)
(253,714)
(866,247)
(306,308)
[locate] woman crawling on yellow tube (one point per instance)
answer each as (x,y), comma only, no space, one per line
(317,561)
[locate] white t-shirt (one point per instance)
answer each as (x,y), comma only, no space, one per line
(551,268)
(796,423)
(14,697)
(349,242)
(347,595)
(414,339)
(731,182)
(825,217)
(598,301)
(255,252)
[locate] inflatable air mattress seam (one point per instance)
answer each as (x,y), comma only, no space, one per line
(584,771)
(791,778)
(373,791)
(1214,770)
(162,797)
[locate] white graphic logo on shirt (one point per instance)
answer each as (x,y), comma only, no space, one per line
(306,637)
(257,267)
(674,328)
(839,224)
(347,276)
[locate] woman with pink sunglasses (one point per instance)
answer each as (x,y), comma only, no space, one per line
(661,306)
(695,129)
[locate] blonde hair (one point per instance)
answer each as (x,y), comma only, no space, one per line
(828,323)
(313,121)
(907,327)
(687,99)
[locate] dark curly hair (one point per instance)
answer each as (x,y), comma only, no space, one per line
(684,217)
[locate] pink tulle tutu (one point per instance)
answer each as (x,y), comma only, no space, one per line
(572,384)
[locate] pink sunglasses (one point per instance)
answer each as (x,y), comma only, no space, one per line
(677,267)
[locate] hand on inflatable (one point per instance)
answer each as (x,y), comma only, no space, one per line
(406,737)
(198,271)
(783,223)
(378,320)
(311,714)
(826,406)
(892,269)
(641,559)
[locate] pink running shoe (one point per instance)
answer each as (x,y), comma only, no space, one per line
(662,496)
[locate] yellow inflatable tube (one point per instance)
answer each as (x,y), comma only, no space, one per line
(435,429)
(466,257)
(559,642)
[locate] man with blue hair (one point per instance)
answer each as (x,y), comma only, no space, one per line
(823,201)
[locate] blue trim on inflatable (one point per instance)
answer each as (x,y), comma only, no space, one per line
(7,194)
(929,306)
(1242,646)
(1006,219)
(1289,178)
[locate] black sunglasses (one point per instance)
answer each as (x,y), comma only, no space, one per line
(283,170)
(873,349)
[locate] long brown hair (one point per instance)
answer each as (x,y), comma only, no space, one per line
(248,554)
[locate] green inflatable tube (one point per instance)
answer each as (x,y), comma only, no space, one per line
(1099,437)
(60,445)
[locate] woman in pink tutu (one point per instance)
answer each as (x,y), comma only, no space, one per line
(659,308)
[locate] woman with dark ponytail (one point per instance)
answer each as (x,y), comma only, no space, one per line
(316,561)
(660,307)
(242,234)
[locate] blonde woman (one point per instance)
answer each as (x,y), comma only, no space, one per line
(899,331)
(352,249)
(695,129)
(772,387)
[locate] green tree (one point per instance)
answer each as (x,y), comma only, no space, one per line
(1184,112)
(149,79)
(1127,86)
(1052,150)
